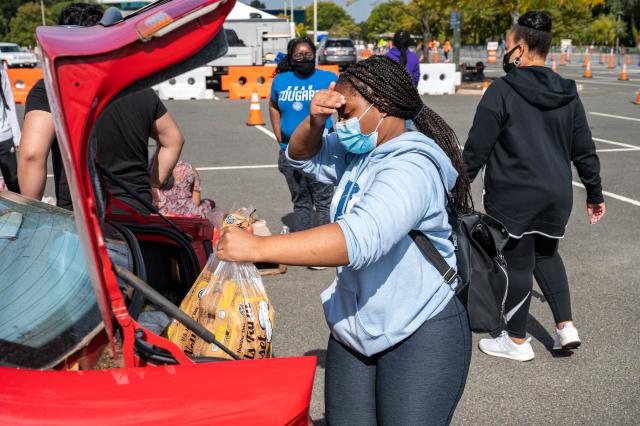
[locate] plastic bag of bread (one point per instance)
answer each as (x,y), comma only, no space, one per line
(229,299)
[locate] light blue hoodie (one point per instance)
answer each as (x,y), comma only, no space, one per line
(388,289)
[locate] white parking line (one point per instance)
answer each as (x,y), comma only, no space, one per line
(612,195)
(617,149)
(621,117)
(259,166)
(625,145)
(266,132)
(606,83)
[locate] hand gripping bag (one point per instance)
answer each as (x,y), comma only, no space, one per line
(229,299)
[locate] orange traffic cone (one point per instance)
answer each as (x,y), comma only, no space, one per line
(623,75)
(562,59)
(586,58)
(435,55)
(611,64)
(554,68)
(587,72)
(255,111)
(637,102)
(485,86)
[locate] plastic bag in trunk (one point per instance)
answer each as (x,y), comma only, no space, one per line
(229,299)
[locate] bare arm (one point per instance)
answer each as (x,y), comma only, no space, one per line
(170,141)
(196,198)
(274,116)
(306,141)
(37,135)
(321,246)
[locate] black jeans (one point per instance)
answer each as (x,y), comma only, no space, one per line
(9,165)
(529,256)
(306,193)
(419,381)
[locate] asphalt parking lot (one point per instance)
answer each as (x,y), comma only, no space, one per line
(598,384)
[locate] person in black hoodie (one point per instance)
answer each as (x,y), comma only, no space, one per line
(528,128)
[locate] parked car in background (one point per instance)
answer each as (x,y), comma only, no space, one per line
(15,57)
(337,51)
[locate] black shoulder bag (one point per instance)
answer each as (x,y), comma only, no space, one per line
(478,240)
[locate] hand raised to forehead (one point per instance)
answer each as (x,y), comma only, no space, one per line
(324,104)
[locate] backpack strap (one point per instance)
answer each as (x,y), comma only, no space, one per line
(431,253)
(426,247)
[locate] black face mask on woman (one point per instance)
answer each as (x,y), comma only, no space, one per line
(508,66)
(304,68)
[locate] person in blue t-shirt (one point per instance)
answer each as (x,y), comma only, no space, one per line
(296,81)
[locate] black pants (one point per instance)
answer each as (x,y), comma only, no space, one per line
(419,381)
(306,193)
(529,256)
(9,165)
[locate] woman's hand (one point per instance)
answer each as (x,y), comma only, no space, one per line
(237,245)
(596,212)
(324,104)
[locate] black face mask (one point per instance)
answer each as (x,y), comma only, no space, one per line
(304,68)
(508,66)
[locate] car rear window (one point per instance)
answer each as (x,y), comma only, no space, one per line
(339,43)
(9,49)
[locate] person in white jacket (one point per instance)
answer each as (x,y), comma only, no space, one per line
(9,134)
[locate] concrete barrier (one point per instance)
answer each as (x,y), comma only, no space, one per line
(187,86)
(438,79)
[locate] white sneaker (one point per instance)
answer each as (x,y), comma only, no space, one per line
(503,346)
(566,338)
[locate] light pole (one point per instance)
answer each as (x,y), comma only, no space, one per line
(42,12)
(292,21)
(618,14)
(315,25)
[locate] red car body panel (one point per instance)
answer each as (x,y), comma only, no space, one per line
(85,68)
(225,393)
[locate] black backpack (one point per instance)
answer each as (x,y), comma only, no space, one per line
(482,279)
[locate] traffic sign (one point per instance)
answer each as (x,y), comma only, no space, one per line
(454,19)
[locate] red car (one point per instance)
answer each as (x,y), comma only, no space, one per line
(62,274)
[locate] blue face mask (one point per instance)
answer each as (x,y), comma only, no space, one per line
(351,137)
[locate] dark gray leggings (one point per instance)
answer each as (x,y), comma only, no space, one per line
(419,381)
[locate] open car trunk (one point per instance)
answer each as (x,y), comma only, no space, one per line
(86,69)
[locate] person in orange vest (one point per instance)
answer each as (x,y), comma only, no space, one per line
(446,48)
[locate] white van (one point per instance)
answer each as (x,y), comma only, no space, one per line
(15,57)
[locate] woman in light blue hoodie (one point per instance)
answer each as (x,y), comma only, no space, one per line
(400,344)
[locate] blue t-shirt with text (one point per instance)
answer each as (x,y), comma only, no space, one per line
(293,95)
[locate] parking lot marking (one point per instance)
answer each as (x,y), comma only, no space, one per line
(625,145)
(612,195)
(259,166)
(606,83)
(617,149)
(266,132)
(621,117)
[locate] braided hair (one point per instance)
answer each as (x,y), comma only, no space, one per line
(387,85)
(285,63)
(402,40)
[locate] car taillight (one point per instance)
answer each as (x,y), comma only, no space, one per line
(163,22)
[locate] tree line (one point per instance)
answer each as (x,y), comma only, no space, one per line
(585,21)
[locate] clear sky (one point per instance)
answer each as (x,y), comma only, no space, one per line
(359,10)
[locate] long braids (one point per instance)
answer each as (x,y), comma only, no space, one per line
(386,84)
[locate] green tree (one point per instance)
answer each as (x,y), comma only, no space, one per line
(329,15)
(429,13)
(390,17)
(22,28)
(603,30)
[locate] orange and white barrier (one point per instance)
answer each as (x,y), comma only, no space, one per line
(22,80)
